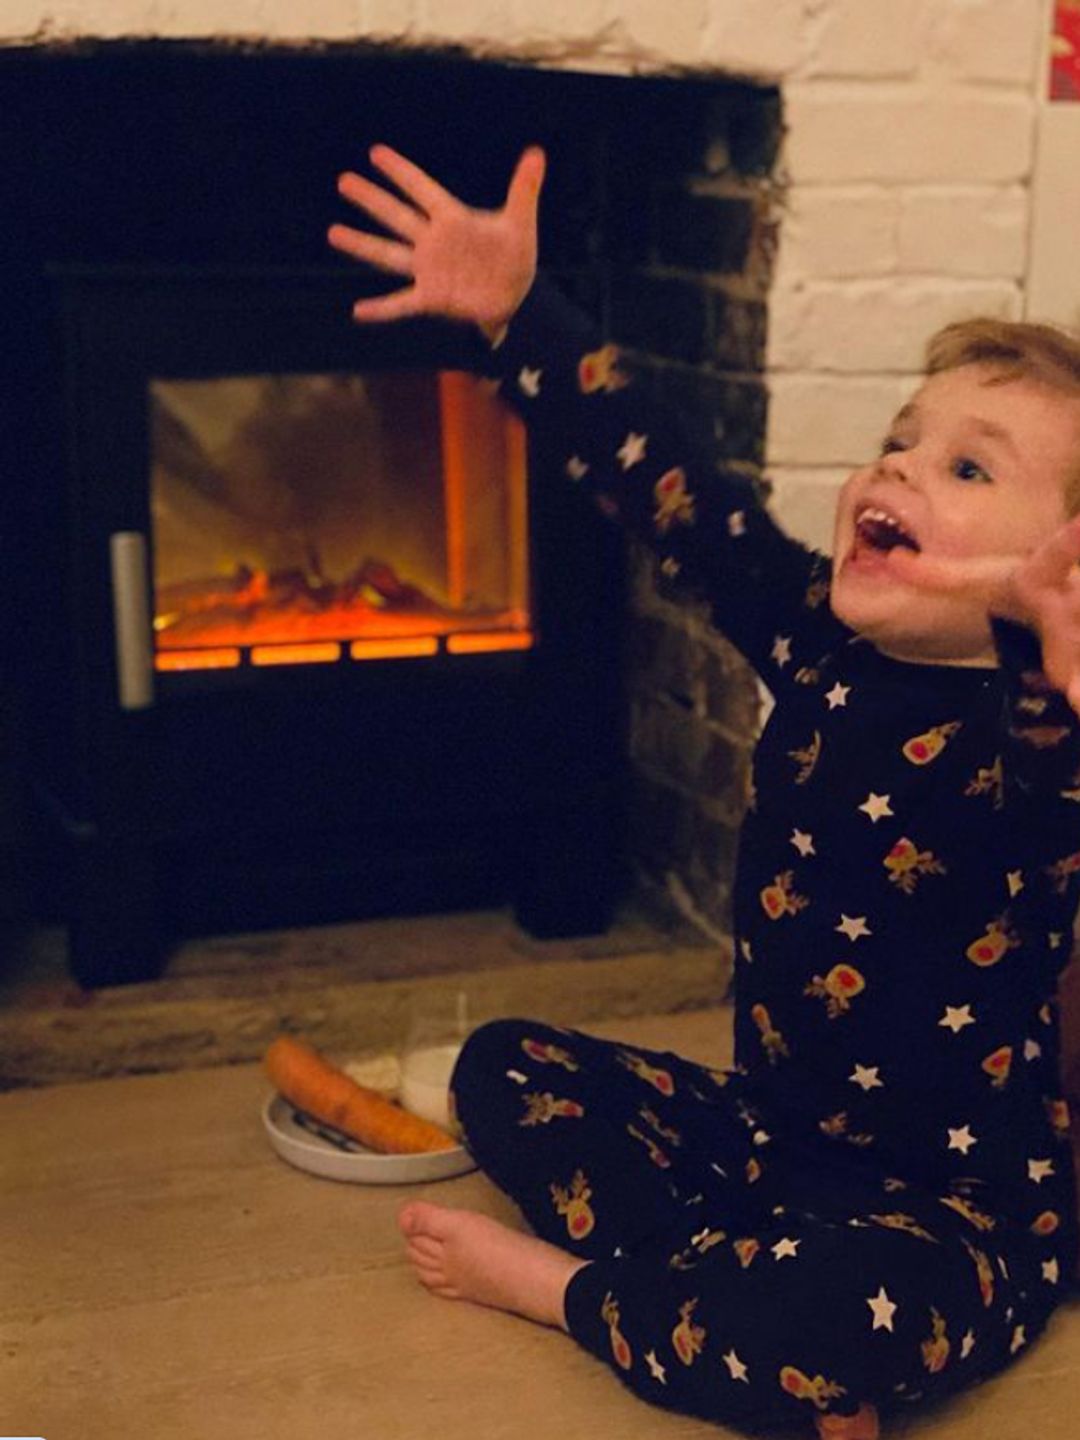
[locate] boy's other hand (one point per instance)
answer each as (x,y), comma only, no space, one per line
(1040,590)
(462,263)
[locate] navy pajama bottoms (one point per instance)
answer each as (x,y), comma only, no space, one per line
(732,1277)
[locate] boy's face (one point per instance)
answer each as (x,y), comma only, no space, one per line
(971,466)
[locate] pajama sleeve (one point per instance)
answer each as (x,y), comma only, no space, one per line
(713,538)
(1040,733)
(1039,784)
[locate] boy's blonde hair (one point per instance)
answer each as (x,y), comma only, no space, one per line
(1017,349)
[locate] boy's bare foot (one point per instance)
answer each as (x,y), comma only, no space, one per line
(863,1426)
(462,1255)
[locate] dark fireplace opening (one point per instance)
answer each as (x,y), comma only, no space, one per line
(386,655)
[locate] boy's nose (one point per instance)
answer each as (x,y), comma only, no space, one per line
(899,465)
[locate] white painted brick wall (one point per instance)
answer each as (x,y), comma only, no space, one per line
(999,41)
(561,25)
(285,22)
(180,19)
(964,230)
(871,326)
(675,32)
(386,19)
(764,39)
(864,39)
(828,420)
(804,501)
(908,159)
(894,133)
(838,232)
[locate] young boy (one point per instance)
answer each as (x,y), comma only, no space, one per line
(876,1204)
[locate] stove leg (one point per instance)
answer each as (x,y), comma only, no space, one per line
(114,926)
(567,878)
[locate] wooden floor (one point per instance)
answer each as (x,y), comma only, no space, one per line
(164,1276)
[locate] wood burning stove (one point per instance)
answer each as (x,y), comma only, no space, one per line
(339,642)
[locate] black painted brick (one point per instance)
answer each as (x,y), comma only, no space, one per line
(738,330)
(731,694)
(703,232)
(660,823)
(666,316)
(755,129)
(723,418)
(665,658)
(671,740)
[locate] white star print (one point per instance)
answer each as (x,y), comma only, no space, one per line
(747,952)
(803,843)
(529,382)
(838,695)
(883,1310)
(1040,1170)
(736,523)
(577,468)
(517,1077)
(736,1369)
(1015,881)
(632,451)
(956,1017)
(876,806)
(656,1370)
(1055,937)
(1019,1340)
(786,1248)
(866,1076)
(962,1139)
(1032,1050)
(761,1137)
(854,927)
(967,1344)
(1003,1267)
(1051,1271)
(781,650)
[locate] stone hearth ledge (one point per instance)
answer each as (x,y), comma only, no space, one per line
(219,1005)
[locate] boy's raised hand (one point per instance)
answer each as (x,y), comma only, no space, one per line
(1040,590)
(462,263)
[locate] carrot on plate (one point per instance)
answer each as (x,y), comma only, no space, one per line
(312,1083)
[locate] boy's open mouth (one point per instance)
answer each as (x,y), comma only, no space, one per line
(877,530)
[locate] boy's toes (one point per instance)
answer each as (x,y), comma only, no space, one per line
(424,1250)
(862,1426)
(410,1219)
(419,1218)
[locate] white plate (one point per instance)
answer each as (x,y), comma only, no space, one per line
(340,1158)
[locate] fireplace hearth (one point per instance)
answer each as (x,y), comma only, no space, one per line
(403,695)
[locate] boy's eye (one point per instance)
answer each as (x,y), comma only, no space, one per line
(965,469)
(890,444)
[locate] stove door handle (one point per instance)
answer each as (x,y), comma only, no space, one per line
(131,620)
